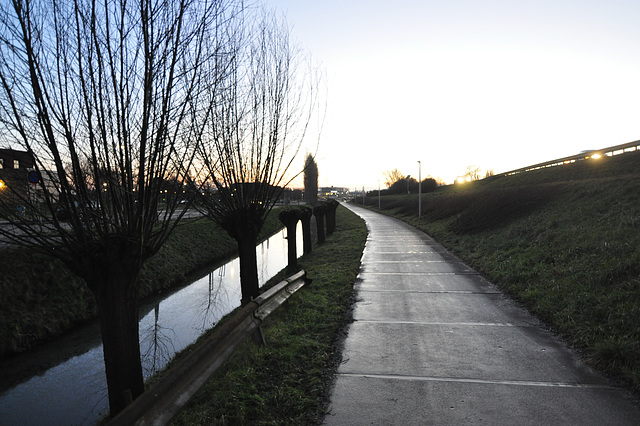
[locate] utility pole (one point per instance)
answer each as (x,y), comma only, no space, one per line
(379,208)
(419,189)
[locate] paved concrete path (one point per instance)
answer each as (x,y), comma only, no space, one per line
(435,343)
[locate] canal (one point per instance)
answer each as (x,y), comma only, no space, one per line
(64,383)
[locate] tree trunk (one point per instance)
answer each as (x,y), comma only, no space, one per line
(319,212)
(305,218)
(292,254)
(116,297)
(289,218)
(332,206)
(248,268)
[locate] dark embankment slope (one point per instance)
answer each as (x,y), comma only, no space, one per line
(565,241)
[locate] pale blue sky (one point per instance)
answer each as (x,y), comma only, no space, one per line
(498,84)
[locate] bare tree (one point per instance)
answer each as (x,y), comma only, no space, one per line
(392,176)
(108,99)
(262,114)
(473,172)
(311,180)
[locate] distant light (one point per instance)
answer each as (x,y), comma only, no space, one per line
(1,184)
(596,156)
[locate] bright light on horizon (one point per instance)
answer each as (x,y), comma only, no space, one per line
(498,84)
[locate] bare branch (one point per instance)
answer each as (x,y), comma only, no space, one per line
(110,99)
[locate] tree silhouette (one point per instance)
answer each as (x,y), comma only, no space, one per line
(392,176)
(108,98)
(404,186)
(310,180)
(262,110)
(473,172)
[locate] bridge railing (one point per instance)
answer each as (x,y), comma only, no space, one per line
(586,155)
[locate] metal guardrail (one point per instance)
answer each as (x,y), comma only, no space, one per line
(159,404)
(606,152)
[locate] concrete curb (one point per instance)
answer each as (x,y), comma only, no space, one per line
(159,404)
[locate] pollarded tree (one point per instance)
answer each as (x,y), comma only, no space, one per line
(311,180)
(262,113)
(108,98)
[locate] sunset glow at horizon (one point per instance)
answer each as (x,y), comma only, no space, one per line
(494,84)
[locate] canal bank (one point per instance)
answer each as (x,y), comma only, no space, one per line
(286,381)
(41,299)
(74,390)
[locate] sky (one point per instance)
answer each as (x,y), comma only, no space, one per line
(496,84)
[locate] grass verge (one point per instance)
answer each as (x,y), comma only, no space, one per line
(564,241)
(287,380)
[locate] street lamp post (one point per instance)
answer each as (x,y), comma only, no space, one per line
(419,189)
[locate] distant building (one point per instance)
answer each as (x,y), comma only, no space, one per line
(14,177)
(333,192)
(12,159)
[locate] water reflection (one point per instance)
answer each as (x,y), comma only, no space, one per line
(69,384)
(156,345)
(216,290)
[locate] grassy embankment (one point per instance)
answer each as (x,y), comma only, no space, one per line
(287,380)
(40,298)
(565,241)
